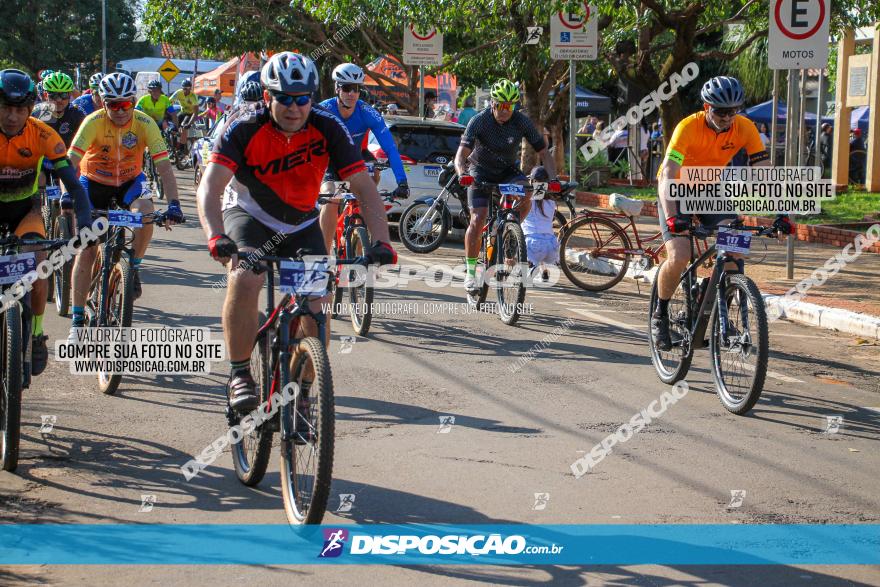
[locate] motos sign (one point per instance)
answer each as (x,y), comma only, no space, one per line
(798,37)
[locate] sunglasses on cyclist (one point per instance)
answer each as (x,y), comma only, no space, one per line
(117,106)
(59,95)
(349,88)
(287,99)
(504,106)
(725,112)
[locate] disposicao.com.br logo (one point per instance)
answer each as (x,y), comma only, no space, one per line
(449,544)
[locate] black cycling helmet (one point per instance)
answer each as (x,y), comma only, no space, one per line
(187,83)
(251,92)
(155,84)
(723,92)
(539,173)
(17,88)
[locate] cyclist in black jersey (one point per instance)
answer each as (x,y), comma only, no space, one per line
(489,152)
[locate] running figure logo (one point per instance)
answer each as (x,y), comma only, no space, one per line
(48,422)
(333,542)
(541,500)
(346,501)
(147,503)
(446,423)
(346,344)
(736,498)
(833,424)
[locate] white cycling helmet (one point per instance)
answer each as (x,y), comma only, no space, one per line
(95,80)
(116,86)
(348,73)
(290,73)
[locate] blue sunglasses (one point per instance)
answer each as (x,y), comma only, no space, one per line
(287,99)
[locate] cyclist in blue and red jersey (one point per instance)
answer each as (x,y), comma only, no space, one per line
(90,102)
(359,118)
(270,163)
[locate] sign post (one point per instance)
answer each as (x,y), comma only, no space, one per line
(168,71)
(422,48)
(575,37)
(798,39)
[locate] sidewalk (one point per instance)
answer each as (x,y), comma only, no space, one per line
(855,288)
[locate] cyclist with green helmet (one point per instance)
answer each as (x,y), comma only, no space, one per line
(57,111)
(489,152)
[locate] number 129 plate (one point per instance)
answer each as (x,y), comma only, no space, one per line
(733,241)
(124,218)
(14,267)
(305,277)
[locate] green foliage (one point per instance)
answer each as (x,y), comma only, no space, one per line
(59,34)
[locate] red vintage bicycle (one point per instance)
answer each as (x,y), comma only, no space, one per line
(352,241)
(596,250)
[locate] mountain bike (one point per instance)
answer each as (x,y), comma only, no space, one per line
(110,302)
(59,225)
(503,256)
(153,176)
(278,358)
(729,308)
(352,240)
(15,339)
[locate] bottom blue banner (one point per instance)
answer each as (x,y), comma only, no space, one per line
(137,544)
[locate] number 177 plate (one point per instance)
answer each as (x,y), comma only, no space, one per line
(309,277)
(733,241)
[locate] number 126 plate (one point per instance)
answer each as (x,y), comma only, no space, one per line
(305,277)
(14,267)
(733,241)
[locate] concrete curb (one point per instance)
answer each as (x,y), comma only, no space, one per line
(846,321)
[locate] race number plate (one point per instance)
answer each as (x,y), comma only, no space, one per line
(733,241)
(125,218)
(432,170)
(309,277)
(14,267)
(53,192)
(512,189)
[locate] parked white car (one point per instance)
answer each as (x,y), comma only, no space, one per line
(425,146)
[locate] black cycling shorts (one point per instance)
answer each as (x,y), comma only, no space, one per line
(249,233)
(479,198)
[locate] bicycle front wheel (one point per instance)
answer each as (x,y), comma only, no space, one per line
(592,253)
(360,295)
(673,365)
(739,356)
(307,468)
(118,313)
(423,227)
(510,273)
(250,457)
(61,281)
(10,401)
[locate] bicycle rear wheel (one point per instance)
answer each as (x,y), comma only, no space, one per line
(739,365)
(591,253)
(250,457)
(511,273)
(118,313)
(10,400)
(673,365)
(307,469)
(61,280)
(359,296)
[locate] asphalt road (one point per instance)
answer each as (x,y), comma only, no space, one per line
(514,434)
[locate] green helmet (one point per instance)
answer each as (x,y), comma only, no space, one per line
(58,83)
(504,91)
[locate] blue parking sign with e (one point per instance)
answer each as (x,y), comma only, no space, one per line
(565,37)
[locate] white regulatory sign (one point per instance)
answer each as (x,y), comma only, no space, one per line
(422,47)
(798,37)
(575,35)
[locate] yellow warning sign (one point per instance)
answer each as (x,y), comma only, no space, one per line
(168,70)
